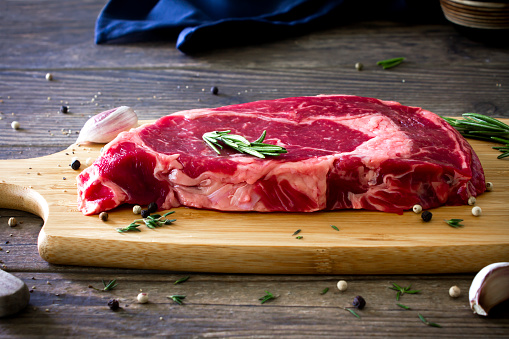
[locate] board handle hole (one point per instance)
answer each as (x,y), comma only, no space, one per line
(22,198)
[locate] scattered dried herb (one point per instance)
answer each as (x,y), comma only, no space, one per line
(334,227)
(177,298)
(299,237)
(296,232)
(427,322)
(268,296)
(390,63)
(402,290)
(151,221)
(353,312)
(181,280)
(454,222)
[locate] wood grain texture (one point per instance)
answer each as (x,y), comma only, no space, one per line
(450,74)
(210,241)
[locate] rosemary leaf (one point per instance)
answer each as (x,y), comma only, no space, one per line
(353,312)
(454,222)
(403,306)
(325,290)
(296,232)
(427,322)
(181,280)
(334,227)
(268,296)
(390,63)
(177,298)
(110,285)
(241,144)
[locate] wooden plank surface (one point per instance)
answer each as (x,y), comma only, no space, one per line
(201,240)
(445,72)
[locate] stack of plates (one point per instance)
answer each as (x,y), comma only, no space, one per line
(493,15)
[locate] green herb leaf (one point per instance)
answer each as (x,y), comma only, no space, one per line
(454,222)
(402,290)
(181,280)
(296,232)
(110,285)
(353,312)
(403,306)
(390,63)
(241,144)
(325,290)
(427,322)
(299,237)
(152,221)
(268,296)
(177,298)
(334,227)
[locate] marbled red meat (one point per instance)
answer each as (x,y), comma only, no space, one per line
(344,152)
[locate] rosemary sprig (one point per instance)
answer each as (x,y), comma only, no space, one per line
(268,296)
(403,306)
(177,298)
(334,227)
(325,290)
(390,63)
(481,127)
(181,280)
(427,322)
(152,221)
(353,312)
(107,286)
(454,222)
(402,290)
(241,144)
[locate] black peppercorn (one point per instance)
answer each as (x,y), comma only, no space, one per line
(152,207)
(113,304)
(64,109)
(359,302)
(426,216)
(214,90)
(76,165)
(145,213)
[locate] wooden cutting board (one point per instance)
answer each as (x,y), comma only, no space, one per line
(210,241)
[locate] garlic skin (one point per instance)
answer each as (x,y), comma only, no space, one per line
(105,126)
(489,288)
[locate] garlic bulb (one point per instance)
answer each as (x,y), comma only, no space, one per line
(489,288)
(105,126)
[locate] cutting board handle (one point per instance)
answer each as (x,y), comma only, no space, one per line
(23,198)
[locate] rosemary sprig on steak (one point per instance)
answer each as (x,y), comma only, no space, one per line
(478,126)
(240,144)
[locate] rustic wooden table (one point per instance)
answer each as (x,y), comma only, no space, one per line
(445,72)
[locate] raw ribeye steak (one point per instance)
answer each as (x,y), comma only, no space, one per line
(344,152)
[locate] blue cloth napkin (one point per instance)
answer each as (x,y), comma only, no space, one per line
(200,25)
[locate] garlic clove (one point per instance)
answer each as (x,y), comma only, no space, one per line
(105,126)
(489,288)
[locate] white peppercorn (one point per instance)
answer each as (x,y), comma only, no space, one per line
(12,222)
(15,125)
(471,201)
(417,208)
(454,291)
(143,298)
(359,66)
(489,186)
(137,209)
(342,285)
(49,76)
(476,211)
